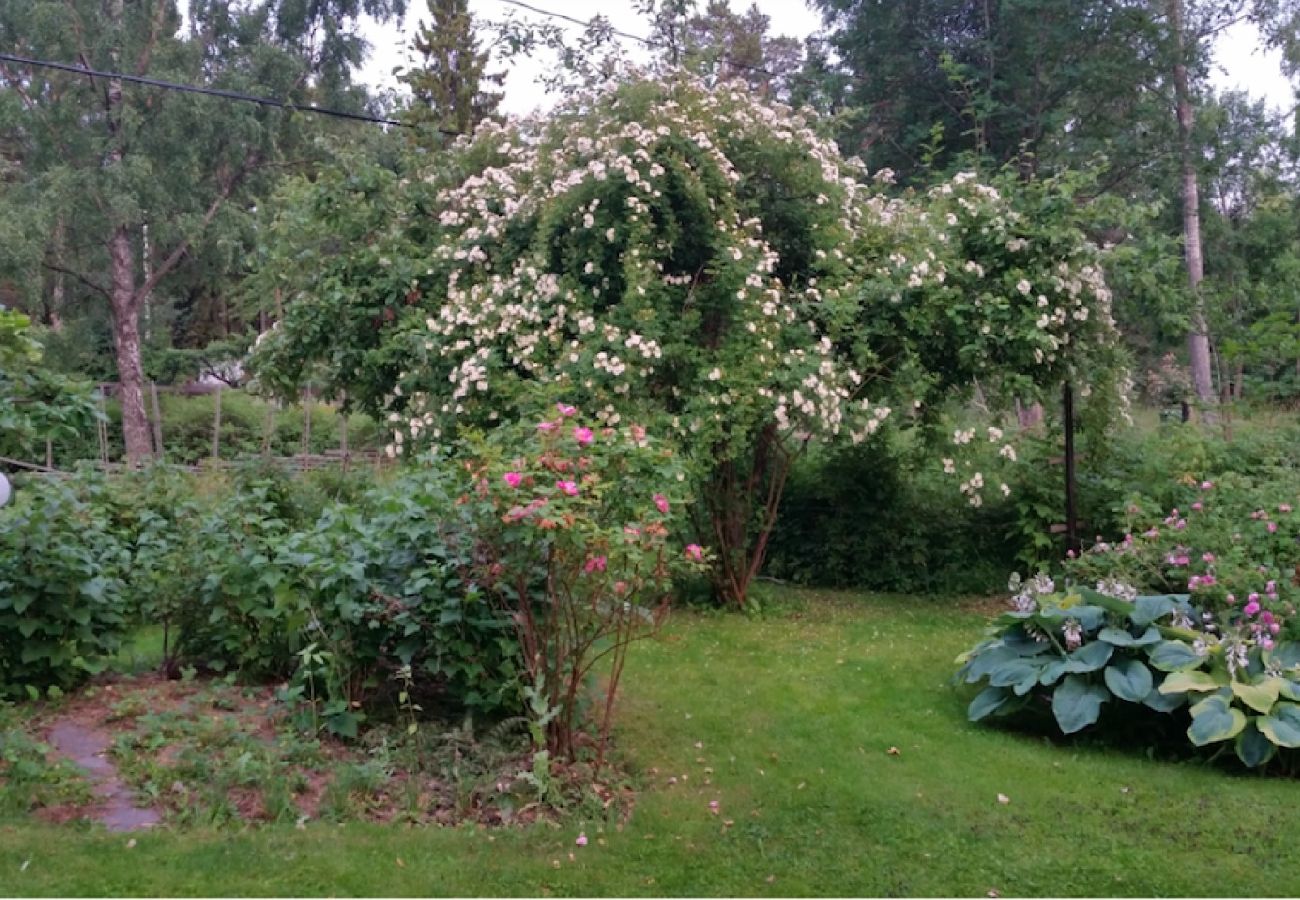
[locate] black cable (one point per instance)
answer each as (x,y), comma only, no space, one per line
(656,45)
(211,92)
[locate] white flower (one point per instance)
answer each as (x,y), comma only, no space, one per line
(1024,286)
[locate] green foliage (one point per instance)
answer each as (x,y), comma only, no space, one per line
(35,402)
(1085,648)
(62,587)
(573,527)
(883,516)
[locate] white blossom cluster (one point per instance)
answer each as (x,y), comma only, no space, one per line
(555,266)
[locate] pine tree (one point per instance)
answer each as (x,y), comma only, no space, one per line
(447,87)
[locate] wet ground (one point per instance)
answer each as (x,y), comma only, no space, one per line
(88,747)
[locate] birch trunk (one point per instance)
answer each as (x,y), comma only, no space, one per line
(1198,338)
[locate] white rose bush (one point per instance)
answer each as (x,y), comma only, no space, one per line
(696,261)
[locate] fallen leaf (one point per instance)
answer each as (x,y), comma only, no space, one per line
(26,862)
(993,893)
(769,879)
(894,751)
(400,864)
(130,845)
(1003,799)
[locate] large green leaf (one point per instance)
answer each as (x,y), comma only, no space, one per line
(1253,747)
(986,702)
(1283,726)
(1147,609)
(1289,689)
(1214,720)
(1164,702)
(1121,638)
(1089,657)
(1015,672)
(1052,671)
(1129,680)
(1286,654)
(1181,682)
(1259,696)
(986,662)
(1076,703)
(1175,656)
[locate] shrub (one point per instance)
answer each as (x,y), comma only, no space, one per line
(1078,649)
(391,610)
(573,533)
(62,593)
(883,516)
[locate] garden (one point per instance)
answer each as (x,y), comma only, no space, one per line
(727,518)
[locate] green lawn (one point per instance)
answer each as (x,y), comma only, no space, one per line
(795,714)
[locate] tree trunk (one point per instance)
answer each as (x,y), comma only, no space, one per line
(123,295)
(126,341)
(1198,338)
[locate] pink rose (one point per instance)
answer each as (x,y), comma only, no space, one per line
(569,487)
(1272,527)
(661,502)
(545,426)
(582,435)
(582,840)
(1207,485)
(1207,557)
(695,552)
(565,409)
(1251,608)
(595,564)
(513,479)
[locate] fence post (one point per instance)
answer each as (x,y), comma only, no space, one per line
(157,422)
(101,429)
(49,454)
(216,425)
(306,422)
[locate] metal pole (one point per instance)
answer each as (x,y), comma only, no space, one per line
(1071,510)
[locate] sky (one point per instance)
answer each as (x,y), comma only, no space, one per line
(1241,63)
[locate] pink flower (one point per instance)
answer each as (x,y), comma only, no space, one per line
(565,409)
(1231,599)
(595,564)
(1207,485)
(1266,643)
(545,426)
(713,806)
(1180,524)
(620,587)
(1272,527)
(569,487)
(695,552)
(1275,627)
(1198,506)
(582,839)
(513,479)
(661,502)
(582,435)
(1284,507)
(1207,557)
(1251,608)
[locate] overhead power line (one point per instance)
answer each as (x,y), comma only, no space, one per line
(649,42)
(211,92)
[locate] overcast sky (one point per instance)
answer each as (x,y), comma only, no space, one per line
(1242,63)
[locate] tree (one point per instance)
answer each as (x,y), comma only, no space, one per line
(119,183)
(448,84)
(722,45)
(695,262)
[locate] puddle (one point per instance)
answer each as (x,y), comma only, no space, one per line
(88,748)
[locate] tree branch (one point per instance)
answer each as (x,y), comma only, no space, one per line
(77,275)
(178,252)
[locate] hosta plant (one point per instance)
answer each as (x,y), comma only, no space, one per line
(1078,649)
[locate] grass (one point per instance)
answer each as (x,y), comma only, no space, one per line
(787,722)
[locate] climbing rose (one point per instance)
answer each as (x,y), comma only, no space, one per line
(513,479)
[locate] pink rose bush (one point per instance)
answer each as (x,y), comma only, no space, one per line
(577,546)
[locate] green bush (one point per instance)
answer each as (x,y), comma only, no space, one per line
(882,517)
(62,592)
(1077,650)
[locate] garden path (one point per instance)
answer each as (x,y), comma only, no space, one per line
(87,747)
